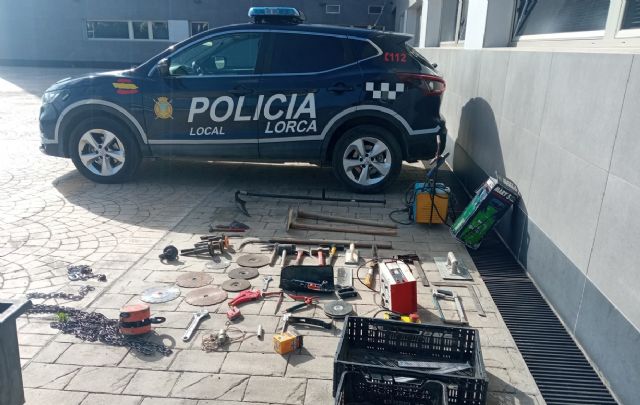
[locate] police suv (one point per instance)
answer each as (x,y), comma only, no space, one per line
(274,90)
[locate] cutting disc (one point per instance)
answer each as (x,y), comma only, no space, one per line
(218,262)
(206,296)
(337,309)
(194,279)
(244,273)
(234,285)
(252,260)
(156,295)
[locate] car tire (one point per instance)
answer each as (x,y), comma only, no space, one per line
(115,161)
(352,159)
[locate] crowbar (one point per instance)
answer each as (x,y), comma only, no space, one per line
(314,242)
(242,205)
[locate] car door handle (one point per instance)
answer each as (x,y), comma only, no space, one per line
(241,91)
(340,88)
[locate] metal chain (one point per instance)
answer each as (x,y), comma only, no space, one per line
(94,326)
(83,272)
(84,290)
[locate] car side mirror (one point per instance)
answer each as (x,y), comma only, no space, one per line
(435,65)
(220,62)
(163,67)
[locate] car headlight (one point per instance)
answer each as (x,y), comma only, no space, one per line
(51,96)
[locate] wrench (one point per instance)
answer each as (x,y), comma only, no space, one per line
(197,317)
(266,281)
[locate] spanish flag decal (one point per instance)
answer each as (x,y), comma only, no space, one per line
(125,86)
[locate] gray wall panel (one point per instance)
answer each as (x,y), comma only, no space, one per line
(584,99)
(612,342)
(624,162)
(560,280)
(615,258)
(565,198)
(520,166)
(561,118)
(525,90)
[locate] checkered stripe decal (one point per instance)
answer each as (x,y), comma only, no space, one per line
(383,93)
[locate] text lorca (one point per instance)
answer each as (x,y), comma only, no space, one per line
(295,113)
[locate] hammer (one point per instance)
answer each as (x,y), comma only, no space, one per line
(274,254)
(333,249)
(284,251)
(321,252)
(300,255)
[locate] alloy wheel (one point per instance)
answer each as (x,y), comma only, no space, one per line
(101,152)
(367,161)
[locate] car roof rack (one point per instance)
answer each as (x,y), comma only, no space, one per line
(276,15)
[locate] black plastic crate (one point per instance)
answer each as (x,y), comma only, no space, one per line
(375,346)
(356,388)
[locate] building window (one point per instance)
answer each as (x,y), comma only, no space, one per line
(454,21)
(375,9)
(539,17)
(462,24)
(333,9)
(631,19)
(108,29)
(449,21)
(198,27)
(128,30)
(160,30)
(141,29)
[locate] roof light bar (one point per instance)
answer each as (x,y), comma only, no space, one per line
(265,15)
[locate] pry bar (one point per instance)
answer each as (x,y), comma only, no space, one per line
(242,205)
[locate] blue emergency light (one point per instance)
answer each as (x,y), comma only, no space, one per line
(274,15)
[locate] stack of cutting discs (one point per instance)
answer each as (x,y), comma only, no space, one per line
(193,279)
(252,260)
(205,296)
(234,285)
(244,273)
(337,309)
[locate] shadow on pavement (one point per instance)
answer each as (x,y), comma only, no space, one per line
(163,183)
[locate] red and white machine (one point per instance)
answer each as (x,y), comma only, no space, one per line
(398,287)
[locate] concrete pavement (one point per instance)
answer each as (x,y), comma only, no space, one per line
(50,216)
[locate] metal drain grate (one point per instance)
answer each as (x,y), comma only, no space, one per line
(562,373)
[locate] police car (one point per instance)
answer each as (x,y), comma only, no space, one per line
(273,90)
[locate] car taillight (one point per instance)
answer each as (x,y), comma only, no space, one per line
(429,84)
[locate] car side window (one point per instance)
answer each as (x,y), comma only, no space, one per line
(233,54)
(307,53)
(362,49)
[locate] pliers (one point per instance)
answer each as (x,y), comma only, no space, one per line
(306,302)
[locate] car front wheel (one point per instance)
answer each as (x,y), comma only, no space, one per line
(104,151)
(367,159)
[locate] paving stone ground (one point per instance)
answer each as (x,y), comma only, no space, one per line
(50,217)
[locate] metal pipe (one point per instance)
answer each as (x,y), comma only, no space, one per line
(333,218)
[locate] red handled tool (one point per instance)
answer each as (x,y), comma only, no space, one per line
(306,302)
(300,254)
(251,295)
(247,296)
(321,253)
